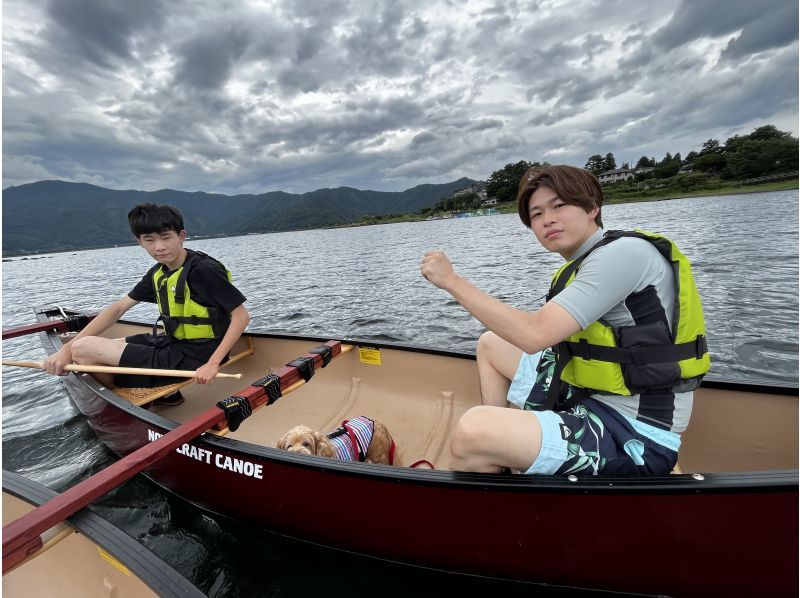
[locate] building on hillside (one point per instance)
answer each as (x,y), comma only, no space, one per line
(489,201)
(478,189)
(616,175)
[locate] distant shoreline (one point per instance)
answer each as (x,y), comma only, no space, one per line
(504,208)
(511,207)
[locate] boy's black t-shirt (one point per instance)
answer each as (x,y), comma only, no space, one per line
(207,281)
(209,286)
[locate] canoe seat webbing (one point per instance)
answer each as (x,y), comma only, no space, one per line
(142,396)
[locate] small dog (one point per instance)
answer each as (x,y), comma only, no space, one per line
(358,439)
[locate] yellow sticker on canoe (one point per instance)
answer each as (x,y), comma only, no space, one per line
(369,355)
(112,561)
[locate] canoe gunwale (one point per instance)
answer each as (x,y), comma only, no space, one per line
(158,575)
(686,483)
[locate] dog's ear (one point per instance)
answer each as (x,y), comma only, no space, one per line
(324,448)
(282,442)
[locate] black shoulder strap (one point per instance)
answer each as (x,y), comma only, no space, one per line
(561,282)
(180,287)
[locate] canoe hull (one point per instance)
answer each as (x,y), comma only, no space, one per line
(677,535)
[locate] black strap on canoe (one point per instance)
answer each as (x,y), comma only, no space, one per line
(76,323)
(272,384)
(325,352)
(237,409)
(304,365)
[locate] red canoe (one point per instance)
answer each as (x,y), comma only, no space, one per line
(726,525)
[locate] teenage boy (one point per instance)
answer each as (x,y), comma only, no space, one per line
(604,371)
(202,312)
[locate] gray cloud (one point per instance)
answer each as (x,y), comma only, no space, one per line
(776,27)
(247,97)
(207,60)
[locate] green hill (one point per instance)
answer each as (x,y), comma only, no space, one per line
(49,216)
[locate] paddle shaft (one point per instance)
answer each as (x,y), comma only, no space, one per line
(22,537)
(58,325)
(111,369)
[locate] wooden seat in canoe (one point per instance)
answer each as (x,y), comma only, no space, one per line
(143,396)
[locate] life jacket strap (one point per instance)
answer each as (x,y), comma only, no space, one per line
(180,286)
(193,320)
(639,356)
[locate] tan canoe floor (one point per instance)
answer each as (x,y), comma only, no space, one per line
(69,565)
(420,397)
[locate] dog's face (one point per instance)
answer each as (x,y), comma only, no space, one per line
(302,439)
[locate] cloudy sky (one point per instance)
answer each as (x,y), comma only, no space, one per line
(261,95)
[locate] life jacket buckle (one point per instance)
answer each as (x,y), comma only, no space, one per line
(700,346)
(583,349)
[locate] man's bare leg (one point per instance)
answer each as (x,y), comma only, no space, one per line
(497,363)
(488,439)
(96,350)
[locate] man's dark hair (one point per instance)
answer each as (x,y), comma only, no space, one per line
(573,185)
(148,218)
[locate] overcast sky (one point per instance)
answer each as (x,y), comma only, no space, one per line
(296,95)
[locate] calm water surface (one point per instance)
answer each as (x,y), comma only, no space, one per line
(364,283)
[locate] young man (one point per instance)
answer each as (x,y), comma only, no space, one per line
(604,371)
(203,313)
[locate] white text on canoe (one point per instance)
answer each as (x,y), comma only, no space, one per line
(233,464)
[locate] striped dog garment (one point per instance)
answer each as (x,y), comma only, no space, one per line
(353,438)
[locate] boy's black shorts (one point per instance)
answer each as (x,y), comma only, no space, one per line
(145,351)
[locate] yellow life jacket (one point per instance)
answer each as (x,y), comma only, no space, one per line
(642,358)
(184,318)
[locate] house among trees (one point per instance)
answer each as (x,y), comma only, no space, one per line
(478,189)
(616,175)
(622,174)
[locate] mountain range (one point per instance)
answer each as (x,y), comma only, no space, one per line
(50,216)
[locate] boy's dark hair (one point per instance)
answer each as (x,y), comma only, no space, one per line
(573,185)
(148,218)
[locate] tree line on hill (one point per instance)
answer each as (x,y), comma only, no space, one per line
(766,151)
(49,216)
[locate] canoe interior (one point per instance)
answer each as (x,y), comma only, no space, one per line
(73,567)
(421,395)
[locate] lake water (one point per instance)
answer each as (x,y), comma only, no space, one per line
(364,283)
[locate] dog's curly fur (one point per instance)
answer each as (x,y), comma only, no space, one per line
(302,439)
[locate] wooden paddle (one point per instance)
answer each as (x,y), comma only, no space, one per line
(22,538)
(68,324)
(112,369)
